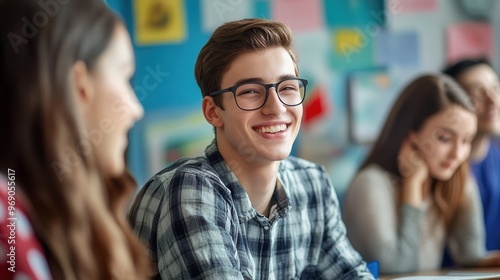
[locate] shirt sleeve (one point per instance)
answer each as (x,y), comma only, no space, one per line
(378,228)
(467,236)
(196,229)
(340,259)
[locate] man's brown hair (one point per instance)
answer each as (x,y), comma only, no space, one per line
(233,39)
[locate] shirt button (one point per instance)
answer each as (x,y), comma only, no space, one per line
(266,227)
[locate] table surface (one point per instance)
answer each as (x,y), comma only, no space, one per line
(445,272)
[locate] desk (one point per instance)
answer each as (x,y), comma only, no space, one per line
(450,272)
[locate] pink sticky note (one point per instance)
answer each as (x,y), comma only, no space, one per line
(299,15)
(409,6)
(470,39)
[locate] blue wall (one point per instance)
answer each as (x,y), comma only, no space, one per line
(172,95)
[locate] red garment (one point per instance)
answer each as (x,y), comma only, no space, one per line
(21,255)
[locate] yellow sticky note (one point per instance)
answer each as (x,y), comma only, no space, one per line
(159,21)
(347,41)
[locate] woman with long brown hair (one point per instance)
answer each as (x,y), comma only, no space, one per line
(67,106)
(413,195)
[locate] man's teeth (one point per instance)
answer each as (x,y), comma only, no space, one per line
(272,129)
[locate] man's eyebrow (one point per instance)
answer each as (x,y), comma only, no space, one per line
(288,76)
(249,80)
(260,80)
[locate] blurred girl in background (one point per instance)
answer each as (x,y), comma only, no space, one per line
(413,195)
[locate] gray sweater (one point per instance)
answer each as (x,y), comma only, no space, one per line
(408,239)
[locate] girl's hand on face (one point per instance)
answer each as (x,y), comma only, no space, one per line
(414,171)
(411,163)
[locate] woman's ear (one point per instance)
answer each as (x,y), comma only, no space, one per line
(211,112)
(83,87)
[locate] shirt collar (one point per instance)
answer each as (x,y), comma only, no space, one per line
(240,197)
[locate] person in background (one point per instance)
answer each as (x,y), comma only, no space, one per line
(413,194)
(67,106)
(246,209)
(481,83)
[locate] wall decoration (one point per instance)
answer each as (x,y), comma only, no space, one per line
(159,21)
(352,50)
(470,39)
(397,49)
(300,15)
(411,6)
(370,97)
(351,13)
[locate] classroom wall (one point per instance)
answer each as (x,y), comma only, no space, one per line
(432,27)
(356,54)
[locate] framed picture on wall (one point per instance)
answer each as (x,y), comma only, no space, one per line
(165,136)
(370,94)
(159,21)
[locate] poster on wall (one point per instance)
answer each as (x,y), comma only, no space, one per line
(301,16)
(352,49)
(170,136)
(411,6)
(370,96)
(159,21)
(354,13)
(400,49)
(470,40)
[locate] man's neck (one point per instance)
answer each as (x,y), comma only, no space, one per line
(260,184)
(480,146)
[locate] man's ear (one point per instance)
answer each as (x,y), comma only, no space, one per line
(83,86)
(211,112)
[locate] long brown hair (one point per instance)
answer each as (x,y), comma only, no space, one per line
(424,97)
(233,39)
(77,213)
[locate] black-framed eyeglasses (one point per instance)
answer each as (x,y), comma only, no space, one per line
(251,96)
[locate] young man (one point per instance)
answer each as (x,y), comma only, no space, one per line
(481,82)
(246,210)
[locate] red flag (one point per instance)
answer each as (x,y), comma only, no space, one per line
(316,106)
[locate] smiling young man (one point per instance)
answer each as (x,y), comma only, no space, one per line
(247,210)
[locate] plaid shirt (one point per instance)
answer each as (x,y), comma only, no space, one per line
(199,223)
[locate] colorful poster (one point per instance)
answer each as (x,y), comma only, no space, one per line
(159,21)
(397,49)
(411,6)
(352,50)
(300,15)
(168,137)
(470,39)
(360,13)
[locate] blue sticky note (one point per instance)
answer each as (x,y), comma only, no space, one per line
(397,49)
